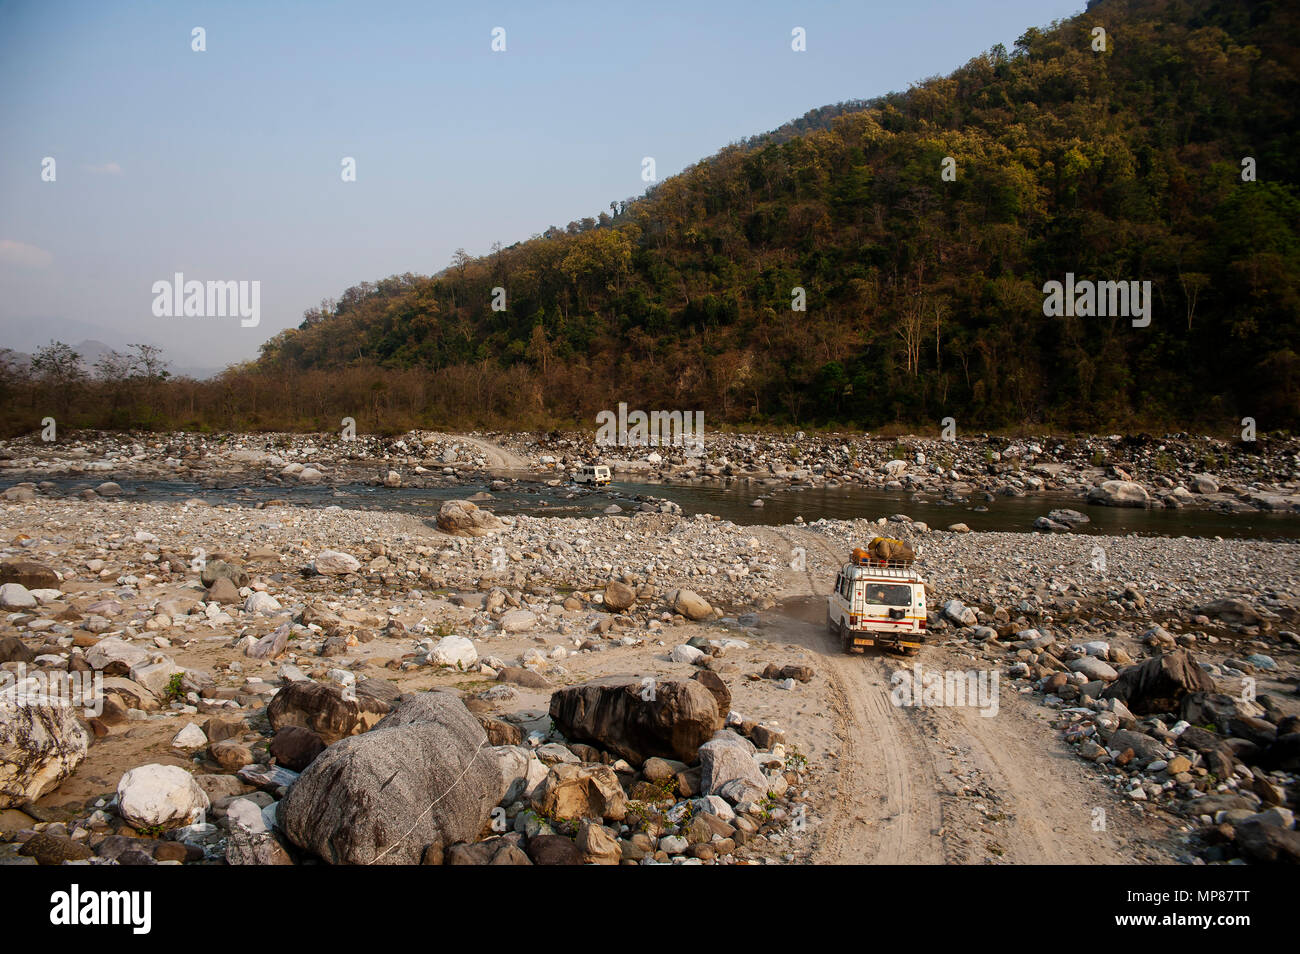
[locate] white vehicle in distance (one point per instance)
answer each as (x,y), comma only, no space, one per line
(595,474)
(878,602)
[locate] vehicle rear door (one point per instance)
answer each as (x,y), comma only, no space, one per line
(886,604)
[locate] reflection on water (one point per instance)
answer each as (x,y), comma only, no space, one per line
(731,502)
(1002,513)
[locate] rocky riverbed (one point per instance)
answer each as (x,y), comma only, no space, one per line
(620,689)
(1172,471)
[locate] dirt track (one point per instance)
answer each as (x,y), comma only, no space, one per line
(948,785)
(498,458)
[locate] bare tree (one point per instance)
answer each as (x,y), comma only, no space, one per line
(61,370)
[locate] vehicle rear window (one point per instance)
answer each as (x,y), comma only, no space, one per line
(888,594)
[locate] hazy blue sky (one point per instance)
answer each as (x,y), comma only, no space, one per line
(225,164)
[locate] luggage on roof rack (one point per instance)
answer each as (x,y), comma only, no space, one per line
(884,551)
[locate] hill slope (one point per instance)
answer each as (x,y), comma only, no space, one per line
(924,296)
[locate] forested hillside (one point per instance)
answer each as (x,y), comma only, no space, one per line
(924,297)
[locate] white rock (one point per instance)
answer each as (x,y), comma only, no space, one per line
(190,737)
(247,814)
(455,651)
(155,676)
(335,563)
(16,596)
(263,604)
(685,654)
(959,613)
(518,621)
(155,795)
(673,844)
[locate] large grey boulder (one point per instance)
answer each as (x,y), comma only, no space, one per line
(418,782)
(1144,747)
(728,768)
(1071,518)
(637,718)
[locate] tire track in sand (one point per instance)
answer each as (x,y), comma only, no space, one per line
(934,784)
(886,810)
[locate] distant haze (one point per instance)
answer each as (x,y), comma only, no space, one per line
(225,164)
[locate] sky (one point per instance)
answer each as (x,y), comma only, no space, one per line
(226,164)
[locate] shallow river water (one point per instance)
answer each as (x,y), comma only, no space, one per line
(733,502)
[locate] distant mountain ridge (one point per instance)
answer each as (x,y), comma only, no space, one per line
(92,350)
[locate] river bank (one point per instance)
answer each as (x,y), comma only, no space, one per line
(417,473)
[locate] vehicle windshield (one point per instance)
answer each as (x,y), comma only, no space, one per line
(888,594)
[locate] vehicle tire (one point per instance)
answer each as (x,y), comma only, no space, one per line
(845,638)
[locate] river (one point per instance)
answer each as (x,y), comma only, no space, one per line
(731,502)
